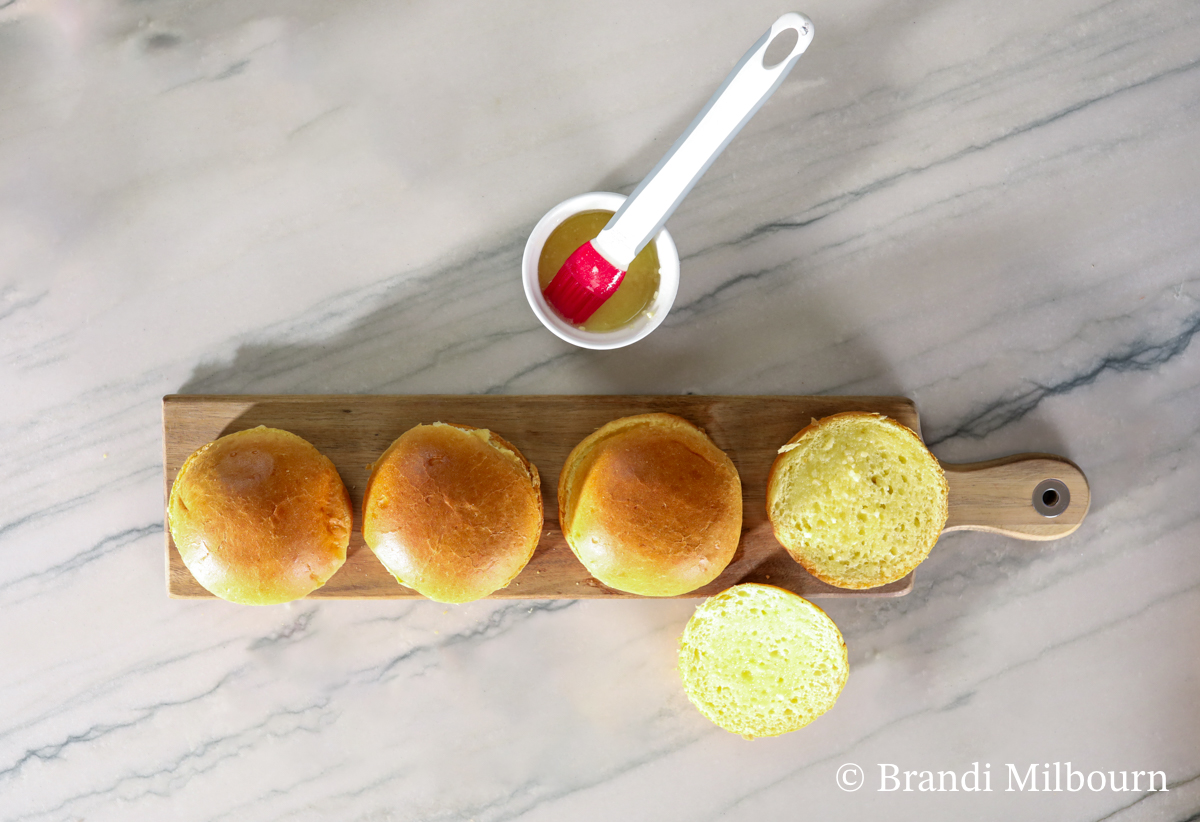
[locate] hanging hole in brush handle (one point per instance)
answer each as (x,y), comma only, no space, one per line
(744,91)
(1027,496)
(780,48)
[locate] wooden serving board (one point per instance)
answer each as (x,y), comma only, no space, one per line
(353,430)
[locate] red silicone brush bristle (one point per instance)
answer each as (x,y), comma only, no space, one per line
(582,285)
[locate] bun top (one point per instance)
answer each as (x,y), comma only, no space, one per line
(453,512)
(761,661)
(260,517)
(857,499)
(651,506)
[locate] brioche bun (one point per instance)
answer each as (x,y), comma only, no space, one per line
(857,499)
(650,505)
(260,517)
(761,661)
(453,512)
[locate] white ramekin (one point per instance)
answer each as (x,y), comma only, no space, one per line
(668,284)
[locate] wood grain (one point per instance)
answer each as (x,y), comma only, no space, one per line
(997,496)
(353,430)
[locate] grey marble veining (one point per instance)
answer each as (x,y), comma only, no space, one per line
(989,208)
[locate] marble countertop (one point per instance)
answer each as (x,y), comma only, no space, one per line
(993,209)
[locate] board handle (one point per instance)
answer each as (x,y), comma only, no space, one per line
(1027,496)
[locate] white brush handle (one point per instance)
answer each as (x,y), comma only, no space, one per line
(744,91)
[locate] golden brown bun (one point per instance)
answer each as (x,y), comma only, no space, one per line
(651,506)
(260,517)
(857,499)
(453,512)
(761,661)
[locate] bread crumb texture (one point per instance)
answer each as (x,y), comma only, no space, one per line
(857,500)
(761,661)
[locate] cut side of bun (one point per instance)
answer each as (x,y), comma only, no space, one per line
(651,506)
(260,517)
(761,661)
(453,512)
(857,499)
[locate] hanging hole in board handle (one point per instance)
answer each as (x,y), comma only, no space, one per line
(789,37)
(1051,497)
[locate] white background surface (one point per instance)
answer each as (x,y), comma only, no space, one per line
(990,208)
